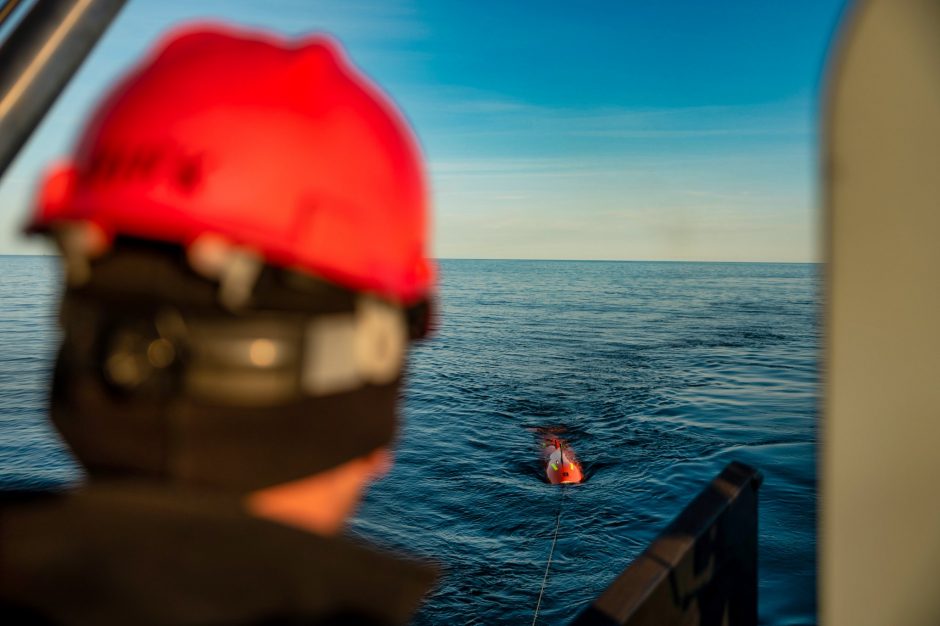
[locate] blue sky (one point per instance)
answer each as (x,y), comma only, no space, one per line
(681,130)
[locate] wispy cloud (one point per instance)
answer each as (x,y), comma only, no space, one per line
(514,173)
(471,114)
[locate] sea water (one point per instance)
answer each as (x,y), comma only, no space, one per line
(658,374)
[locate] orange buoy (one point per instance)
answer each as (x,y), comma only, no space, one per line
(561,465)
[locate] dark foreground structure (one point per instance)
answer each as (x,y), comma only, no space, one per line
(700,571)
(39,57)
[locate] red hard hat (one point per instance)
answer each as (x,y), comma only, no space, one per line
(281,147)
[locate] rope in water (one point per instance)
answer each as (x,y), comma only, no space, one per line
(551,553)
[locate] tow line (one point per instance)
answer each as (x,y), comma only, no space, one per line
(551,553)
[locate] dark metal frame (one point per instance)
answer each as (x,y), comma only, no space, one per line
(39,57)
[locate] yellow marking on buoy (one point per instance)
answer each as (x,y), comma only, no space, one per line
(554,467)
(571,465)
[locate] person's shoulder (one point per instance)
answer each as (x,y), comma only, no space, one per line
(17,615)
(134,553)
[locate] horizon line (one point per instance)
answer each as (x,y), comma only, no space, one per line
(624,260)
(551,260)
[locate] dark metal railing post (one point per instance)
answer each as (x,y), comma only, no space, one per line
(6,10)
(701,570)
(39,57)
